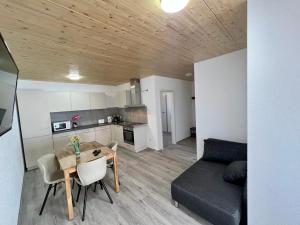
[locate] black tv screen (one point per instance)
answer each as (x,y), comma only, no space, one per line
(8,84)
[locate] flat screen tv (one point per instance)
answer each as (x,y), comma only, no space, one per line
(8,84)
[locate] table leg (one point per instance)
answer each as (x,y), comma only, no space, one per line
(69,194)
(116,174)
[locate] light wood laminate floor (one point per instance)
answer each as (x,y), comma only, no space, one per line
(144,197)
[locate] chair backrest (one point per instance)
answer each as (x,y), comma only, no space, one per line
(113,146)
(48,165)
(92,171)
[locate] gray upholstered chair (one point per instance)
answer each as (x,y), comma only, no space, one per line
(89,173)
(51,173)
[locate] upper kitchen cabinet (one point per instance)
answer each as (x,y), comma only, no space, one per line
(98,100)
(123,98)
(34,113)
(59,101)
(111,101)
(80,100)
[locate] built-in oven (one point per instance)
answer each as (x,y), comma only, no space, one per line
(128,135)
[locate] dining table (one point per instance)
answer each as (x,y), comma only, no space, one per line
(68,162)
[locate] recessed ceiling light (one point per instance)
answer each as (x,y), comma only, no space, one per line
(171,6)
(74,76)
(188,74)
(74,73)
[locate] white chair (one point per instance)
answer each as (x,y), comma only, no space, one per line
(114,147)
(89,173)
(52,175)
(110,162)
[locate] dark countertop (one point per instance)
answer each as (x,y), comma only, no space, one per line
(82,127)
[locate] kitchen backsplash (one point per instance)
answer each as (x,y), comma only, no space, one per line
(137,115)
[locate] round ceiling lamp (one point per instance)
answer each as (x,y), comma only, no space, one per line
(173,6)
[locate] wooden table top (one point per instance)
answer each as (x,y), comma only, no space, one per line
(67,158)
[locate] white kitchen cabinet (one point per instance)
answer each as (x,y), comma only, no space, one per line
(140,137)
(34,113)
(86,135)
(103,135)
(111,101)
(123,98)
(80,100)
(62,140)
(117,134)
(98,100)
(34,148)
(59,101)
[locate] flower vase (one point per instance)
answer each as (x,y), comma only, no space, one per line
(77,150)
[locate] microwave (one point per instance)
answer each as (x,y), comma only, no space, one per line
(58,126)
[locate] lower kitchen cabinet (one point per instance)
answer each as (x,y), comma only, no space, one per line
(62,140)
(103,135)
(86,135)
(140,138)
(36,147)
(117,134)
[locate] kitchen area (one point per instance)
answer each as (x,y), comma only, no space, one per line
(48,119)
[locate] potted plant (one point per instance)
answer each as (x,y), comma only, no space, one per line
(75,142)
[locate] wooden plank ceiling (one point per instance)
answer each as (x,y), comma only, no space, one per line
(111,41)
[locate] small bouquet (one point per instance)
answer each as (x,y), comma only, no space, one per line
(75,142)
(75,118)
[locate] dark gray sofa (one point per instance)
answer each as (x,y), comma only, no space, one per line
(201,188)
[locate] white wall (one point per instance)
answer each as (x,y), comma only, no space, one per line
(11,174)
(221,98)
(273,112)
(182,102)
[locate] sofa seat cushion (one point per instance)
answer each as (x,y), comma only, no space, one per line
(201,189)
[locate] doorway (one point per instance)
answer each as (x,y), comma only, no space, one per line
(167,117)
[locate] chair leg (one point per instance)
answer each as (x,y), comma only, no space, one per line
(84,203)
(78,193)
(95,187)
(73,202)
(54,192)
(45,199)
(103,184)
(73,183)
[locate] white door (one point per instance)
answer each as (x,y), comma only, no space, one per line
(169,105)
(164,112)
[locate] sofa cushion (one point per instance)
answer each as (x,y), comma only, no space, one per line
(201,189)
(224,151)
(236,172)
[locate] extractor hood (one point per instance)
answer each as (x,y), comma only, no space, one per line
(135,94)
